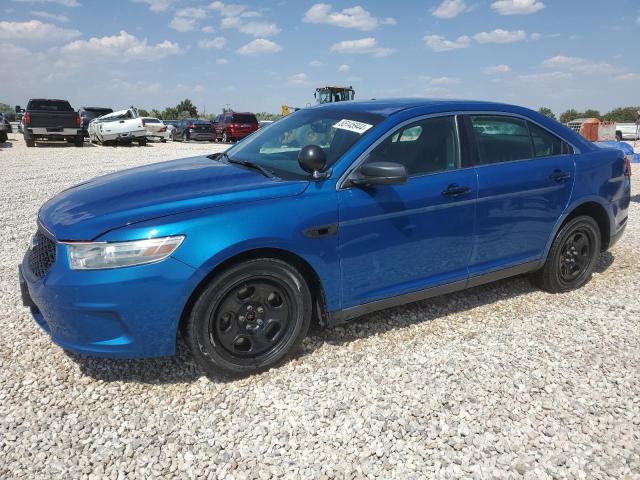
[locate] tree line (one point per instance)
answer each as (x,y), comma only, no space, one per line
(617,115)
(186,109)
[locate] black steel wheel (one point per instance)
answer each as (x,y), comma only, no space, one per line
(572,256)
(249,317)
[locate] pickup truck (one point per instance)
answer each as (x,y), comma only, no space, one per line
(47,119)
(124,126)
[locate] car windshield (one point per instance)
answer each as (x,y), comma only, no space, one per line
(276,148)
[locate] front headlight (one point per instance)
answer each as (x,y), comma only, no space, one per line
(97,255)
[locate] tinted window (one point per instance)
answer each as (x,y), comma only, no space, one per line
(50,105)
(427,146)
(244,118)
(545,143)
(150,120)
(501,139)
(95,112)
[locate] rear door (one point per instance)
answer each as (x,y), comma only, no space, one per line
(525,178)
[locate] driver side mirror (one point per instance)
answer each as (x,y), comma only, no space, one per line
(380,173)
(312,159)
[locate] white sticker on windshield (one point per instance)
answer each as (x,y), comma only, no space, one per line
(352,126)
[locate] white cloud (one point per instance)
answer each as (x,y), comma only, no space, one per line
(157,5)
(65,3)
(577,64)
(367,45)
(628,77)
(344,68)
(449,9)
(546,78)
(536,36)
(316,63)
(298,79)
(207,29)
(222,61)
(50,16)
(500,36)
(233,10)
(439,81)
(517,7)
(497,69)
(122,46)
(259,46)
(256,29)
(35,31)
(181,24)
(217,43)
(191,12)
(354,17)
(440,44)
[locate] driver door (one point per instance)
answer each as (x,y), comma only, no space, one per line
(397,239)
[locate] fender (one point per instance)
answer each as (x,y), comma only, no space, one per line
(569,210)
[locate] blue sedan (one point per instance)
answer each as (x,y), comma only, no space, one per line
(329,214)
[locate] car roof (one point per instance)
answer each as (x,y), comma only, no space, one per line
(386,107)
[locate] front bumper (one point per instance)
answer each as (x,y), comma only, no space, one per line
(121,313)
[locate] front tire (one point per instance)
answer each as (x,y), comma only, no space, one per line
(572,256)
(249,318)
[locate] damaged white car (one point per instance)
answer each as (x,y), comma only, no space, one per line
(124,126)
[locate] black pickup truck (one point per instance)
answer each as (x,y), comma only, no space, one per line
(47,119)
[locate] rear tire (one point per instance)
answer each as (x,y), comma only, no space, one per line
(572,256)
(3,137)
(249,317)
(184,137)
(142,142)
(31,142)
(78,141)
(225,137)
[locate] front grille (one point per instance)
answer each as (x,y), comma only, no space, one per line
(42,254)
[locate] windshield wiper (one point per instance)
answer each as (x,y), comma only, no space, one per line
(245,163)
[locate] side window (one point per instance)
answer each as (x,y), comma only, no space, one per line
(545,143)
(427,146)
(501,139)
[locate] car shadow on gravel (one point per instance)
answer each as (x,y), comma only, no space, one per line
(7,144)
(157,371)
(636,198)
(182,369)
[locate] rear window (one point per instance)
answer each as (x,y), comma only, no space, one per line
(244,118)
(151,120)
(50,105)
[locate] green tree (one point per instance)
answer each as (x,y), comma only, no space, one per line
(142,112)
(569,115)
(547,112)
(9,113)
(155,113)
(591,113)
(623,115)
(187,105)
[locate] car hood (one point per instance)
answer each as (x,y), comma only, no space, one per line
(90,209)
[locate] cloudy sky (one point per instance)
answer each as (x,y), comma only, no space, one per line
(258,55)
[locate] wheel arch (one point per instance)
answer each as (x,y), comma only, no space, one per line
(320,312)
(596,210)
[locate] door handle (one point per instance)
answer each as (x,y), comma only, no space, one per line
(121,121)
(559,176)
(455,191)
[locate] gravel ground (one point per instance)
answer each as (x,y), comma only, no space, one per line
(501,381)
